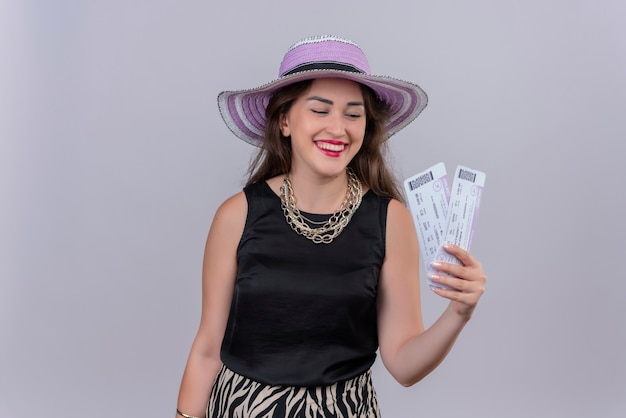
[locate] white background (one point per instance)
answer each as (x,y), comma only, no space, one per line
(113,159)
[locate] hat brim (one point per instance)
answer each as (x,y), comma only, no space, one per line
(243,111)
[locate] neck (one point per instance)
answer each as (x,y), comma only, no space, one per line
(319,194)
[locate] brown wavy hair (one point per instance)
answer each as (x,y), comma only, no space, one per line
(369,164)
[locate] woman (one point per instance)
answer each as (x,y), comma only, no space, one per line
(314,266)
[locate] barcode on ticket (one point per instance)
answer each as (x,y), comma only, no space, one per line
(420,181)
(467,175)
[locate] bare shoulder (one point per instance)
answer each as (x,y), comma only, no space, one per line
(232,211)
(235,202)
(401,236)
(224,235)
(398,215)
(228,223)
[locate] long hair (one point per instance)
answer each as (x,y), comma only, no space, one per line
(369,164)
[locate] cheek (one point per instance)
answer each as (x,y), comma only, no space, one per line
(359,131)
(302,125)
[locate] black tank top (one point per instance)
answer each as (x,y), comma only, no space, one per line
(304,314)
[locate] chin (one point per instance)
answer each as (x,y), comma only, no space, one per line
(334,170)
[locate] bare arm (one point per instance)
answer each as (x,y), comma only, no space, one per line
(218,280)
(408,351)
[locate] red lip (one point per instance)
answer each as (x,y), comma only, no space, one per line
(331,152)
(331,141)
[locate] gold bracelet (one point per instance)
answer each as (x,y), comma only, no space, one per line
(184,415)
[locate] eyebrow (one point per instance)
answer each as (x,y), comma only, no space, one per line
(330,102)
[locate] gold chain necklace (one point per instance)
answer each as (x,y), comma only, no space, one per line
(330,229)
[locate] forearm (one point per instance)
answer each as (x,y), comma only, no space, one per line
(197,383)
(421,354)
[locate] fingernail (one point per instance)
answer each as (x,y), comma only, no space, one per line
(435,264)
(434,277)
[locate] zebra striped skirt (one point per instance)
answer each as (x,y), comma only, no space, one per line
(235,396)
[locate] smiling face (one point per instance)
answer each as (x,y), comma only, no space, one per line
(326,125)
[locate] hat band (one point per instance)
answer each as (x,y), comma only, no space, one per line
(324,66)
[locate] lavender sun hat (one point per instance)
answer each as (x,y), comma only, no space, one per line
(319,57)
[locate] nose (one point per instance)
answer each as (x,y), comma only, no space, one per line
(335,125)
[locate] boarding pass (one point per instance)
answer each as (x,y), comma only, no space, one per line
(444,214)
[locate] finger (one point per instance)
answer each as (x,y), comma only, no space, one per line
(458,284)
(459,271)
(463,256)
(469,298)
(467,274)
(450,269)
